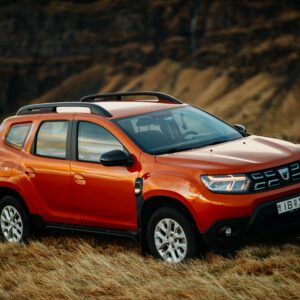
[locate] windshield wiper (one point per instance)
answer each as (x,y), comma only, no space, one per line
(217,142)
(178,149)
(173,150)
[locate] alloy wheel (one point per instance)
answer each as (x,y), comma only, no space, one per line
(11,224)
(170,240)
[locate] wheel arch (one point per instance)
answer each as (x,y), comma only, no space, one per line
(35,221)
(151,205)
(7,191)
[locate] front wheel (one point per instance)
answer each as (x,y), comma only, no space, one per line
(14,225)
(171,235)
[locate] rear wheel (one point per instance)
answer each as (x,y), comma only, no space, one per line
(14,225)
(171,235)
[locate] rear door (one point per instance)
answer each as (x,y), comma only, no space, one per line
(45,170)
(104,196)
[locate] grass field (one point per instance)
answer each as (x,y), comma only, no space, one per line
(92,267)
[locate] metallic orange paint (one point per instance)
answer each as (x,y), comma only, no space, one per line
(91,194)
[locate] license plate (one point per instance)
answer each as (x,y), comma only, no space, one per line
(288,205)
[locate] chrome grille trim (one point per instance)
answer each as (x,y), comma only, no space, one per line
(264,180)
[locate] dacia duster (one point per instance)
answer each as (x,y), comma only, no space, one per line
(147,166)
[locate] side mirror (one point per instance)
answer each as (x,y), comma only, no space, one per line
(240,128)
(116,158)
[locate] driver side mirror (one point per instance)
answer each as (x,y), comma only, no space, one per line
(116,158)
(240,128)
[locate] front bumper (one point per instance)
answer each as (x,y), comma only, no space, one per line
(264,220)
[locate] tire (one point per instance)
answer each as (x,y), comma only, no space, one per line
(171,235)
(14,224)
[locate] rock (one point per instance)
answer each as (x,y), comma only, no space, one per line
(219,54)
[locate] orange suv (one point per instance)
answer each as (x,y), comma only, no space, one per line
(147,166)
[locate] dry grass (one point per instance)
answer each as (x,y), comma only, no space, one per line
(72,267)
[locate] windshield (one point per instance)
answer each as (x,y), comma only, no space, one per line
(178,129)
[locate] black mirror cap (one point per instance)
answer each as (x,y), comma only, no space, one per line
(240,128)
(116,158)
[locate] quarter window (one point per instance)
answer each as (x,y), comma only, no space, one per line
(17,135)
(52,139)
(93,141)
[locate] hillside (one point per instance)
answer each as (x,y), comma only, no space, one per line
(260,101)
(238,59)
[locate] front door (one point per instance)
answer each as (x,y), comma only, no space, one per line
(104,196)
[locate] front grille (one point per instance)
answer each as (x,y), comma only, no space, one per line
(274,178)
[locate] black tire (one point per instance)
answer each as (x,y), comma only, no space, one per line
(10,201)
(186,224)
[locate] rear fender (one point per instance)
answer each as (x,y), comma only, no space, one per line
(9,188)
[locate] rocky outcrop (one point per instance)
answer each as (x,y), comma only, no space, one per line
(255,102)
(239,59)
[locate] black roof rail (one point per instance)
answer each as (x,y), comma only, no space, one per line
(51,107)
(118,96)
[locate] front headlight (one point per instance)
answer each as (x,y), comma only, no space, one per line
(226,183)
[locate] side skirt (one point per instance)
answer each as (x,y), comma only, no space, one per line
(39,225)
(95,230)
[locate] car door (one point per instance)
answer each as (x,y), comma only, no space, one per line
(104,196)
(45,171)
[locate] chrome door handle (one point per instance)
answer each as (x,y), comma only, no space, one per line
(79,179)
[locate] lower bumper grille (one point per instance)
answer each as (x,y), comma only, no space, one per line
(264,220)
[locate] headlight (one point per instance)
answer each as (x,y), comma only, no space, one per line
(226,183)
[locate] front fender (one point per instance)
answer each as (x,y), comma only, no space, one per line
(175,187)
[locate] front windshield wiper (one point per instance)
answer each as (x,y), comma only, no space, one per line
(173,150)
(178,149)
(217,142)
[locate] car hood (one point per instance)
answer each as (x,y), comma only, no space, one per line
(243,155)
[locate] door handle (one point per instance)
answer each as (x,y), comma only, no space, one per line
(79,179)
(29,172)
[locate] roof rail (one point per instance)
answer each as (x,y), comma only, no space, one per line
(51,107)
(118,96)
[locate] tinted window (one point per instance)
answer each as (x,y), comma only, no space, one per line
(174,130)
(93,141)
(17,134)
(52,139)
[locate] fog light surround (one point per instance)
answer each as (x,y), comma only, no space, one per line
(228,232)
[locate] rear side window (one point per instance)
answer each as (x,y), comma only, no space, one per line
(17,135)
(51,140)
(93,141)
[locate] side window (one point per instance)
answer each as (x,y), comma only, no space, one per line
(93,141)
(17,135)
(51,139)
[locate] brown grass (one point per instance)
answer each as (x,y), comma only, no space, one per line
(72,267)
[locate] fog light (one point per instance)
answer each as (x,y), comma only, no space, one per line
(228,231)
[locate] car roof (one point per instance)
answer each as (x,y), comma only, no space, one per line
(122,109)
(108,109)
(110,105)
